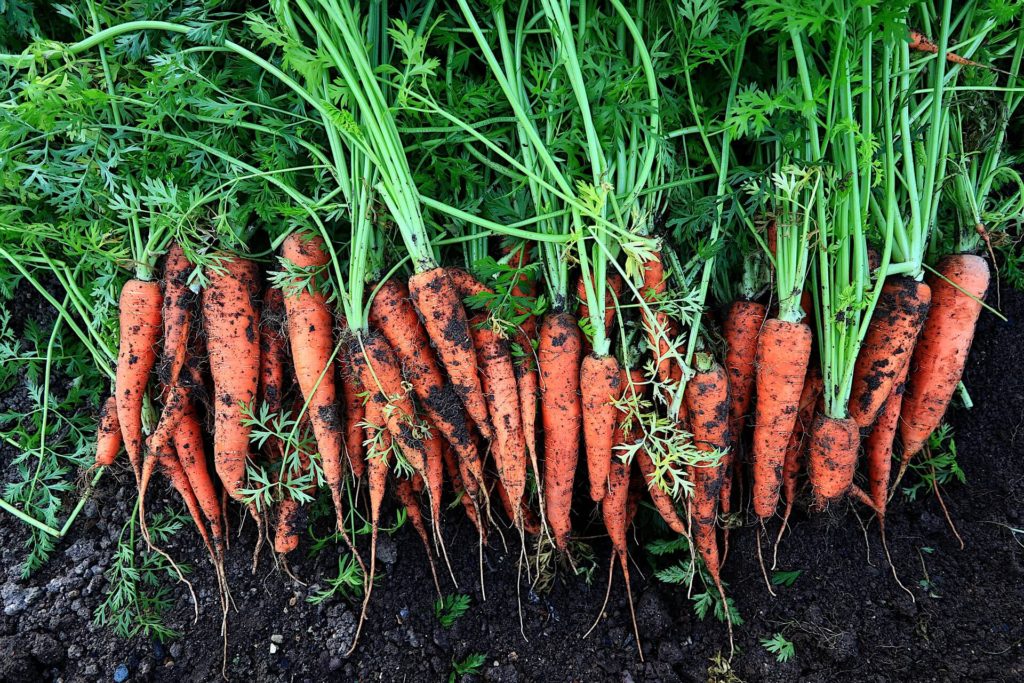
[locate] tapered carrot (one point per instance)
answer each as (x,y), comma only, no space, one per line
(878,446)
(310,329)
(355,408)
(273,351)
(188,443)
(139,315)
(798,442)
(435,297)
(524,515)
(832,458)
(740,330)
(601,387)
(783,349)
(393,314)
(499,384)
(922,44)
(662,500)
(559,360)
(232,337)
(407,497)
(108,434)
(656,322)
(888,345)
(452,468)
(941,352)
(527,385)
(175,473)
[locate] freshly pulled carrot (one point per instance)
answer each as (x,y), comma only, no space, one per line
(600,386)
(740,330)
(783,349)
(559,359)
(878,446)
(524,515)
(452,468)
(809,396)
(941,352)
(232,338)
(527,385)
(310,327)
(273,357)
(108,434)
(407,497)
(662,500)
(435,297)
(612,292)
(887,347)
(922,44)
(656,322)
(139,316)
(832,458)
(355,409)
(188,443)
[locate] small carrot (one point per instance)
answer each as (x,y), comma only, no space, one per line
(878,447)
(885,352)
(600,386)
(922,44)
(188,443)
(783,350)
(941,352)
(406,496)
(798,442)
(613,292)
(273,358)
(656,322)
(108,434)
(355,410)
(452,469)
(559,361)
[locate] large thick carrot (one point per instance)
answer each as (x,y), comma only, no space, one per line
(559,360)
(783,349)
(232,339)
(888,345)
(310,329)
(832,458)
(393,314)
(499,383)
(601,387)
(941,353)
(740,330)
(435,297)
(139,316)
(108,434)
(355,409)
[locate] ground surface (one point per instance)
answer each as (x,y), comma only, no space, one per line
(848,620)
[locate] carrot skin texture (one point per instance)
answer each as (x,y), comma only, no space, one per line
(499,384)
(888,345)
(662,500)
(740,330)
(232,336)
(108,434)
(139,315)
(559,360)
(783,351)
(527,386)
(355,409)
(188,443)
(707,400)
(798,440)
(941,352)
(657,325)
(600,387)
(878,445)
(452,468)
(832,458)
(435,297)
(310,330)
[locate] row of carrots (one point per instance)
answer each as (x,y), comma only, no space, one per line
(446,387)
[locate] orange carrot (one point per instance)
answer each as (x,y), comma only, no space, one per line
(559,358)
(232,335)
(656,325)
(611,294)
(526,516)
(878,446)
(798,442)
(887,347)
(601,386)
(662,500)
(435,297)
(188,443)
(273,351)
(108,434)
(355,409)
(175,473)
(525,366)
(783,349)
(452,468)
(406,496)
(832,457)
(310,329)
(922,44)
(941,353)
(139,315)
(499,384)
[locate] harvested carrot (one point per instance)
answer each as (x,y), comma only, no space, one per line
(188,443)
(559,359)
(527,385)
(435,297)
(611,294)
(888,345)
(922,44)
(601,387)
(878,446)
(832,458)
(809,396)
(108,434)
(355,409)
(273,351)
(452,468)
(783,350)
(524,515)
(656,322)
(407,497)
(139,316)
(660,497)
(941,353)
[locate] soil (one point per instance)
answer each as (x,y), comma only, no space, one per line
(846,616)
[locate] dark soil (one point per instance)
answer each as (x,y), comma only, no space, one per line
(845,614)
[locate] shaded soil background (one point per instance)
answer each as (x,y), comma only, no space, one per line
(848,619)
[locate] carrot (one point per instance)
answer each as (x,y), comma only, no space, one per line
(832,457)
(707,400)
(499,384)
(175,473)
(188,443)
(393,314)
(740,330)
(656,325)
(524,515)
(406,496)
(310,328)
(289,524)
(809,396)
(559,359)
(941,353)
(662,500)
(435,297)
(783,350)
(452,468)
(613,292)
(273,351)
(878,446)
(433,447)
(922,44)
(887,347)
(108,434)
(139,316)
(601,386)
(355,410)
(229,319)
(525,367)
